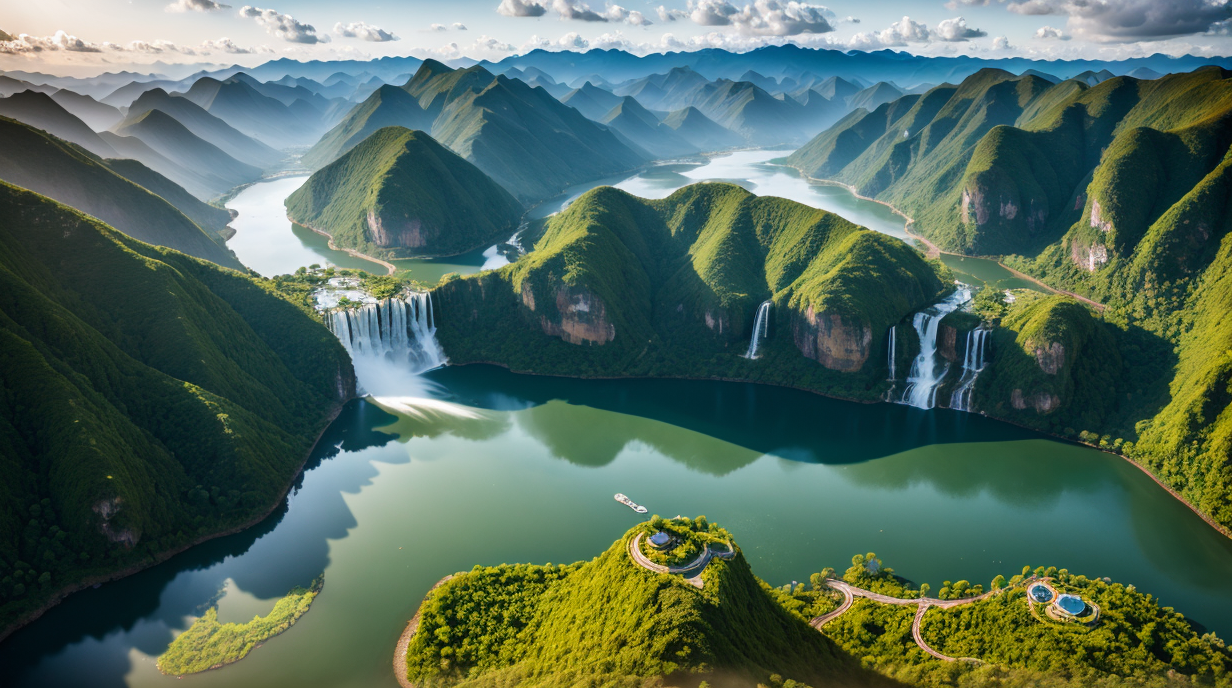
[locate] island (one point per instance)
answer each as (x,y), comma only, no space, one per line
(208,644)
(674,602)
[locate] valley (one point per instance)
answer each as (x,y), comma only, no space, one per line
(404,321)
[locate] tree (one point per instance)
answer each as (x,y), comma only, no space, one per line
(998,582)
(817,581)
(925,588)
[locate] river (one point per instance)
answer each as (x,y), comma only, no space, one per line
(476,465)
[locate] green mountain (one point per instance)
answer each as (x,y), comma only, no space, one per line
(212,219)
(41,111)
(521,137)
(700,131)
(96,115)
(1116,191)
(207,127)
(34,160)
(610,622)
(388,106)
(401,193)
(163,400)
(620,285)
(644,129)
(264,118)
(592,101)
(175,142)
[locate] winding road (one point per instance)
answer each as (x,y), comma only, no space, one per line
(850,592)
(692,571)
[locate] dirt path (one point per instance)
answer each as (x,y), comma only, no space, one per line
(404,641)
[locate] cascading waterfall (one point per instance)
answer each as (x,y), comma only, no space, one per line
(928,369)
(974,361)
(761,327)
(892,350)
(393,330)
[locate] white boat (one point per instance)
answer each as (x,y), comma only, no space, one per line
(630,503)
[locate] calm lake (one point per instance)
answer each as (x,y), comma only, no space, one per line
(476,465)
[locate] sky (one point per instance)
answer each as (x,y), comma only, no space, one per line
(89,36)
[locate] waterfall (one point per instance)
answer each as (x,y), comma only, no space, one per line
(761,327)
(394,330)
(892,351)
(928,369)
(974,361)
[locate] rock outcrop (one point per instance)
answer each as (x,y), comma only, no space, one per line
(832,341)
(411,233)
(582,315)
(1042,402)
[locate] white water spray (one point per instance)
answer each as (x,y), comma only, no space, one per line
(928,369)
(761,327)
(892,351)
(974,361)
(393,331)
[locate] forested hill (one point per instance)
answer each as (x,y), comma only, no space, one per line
(150,399)
(520,136)
(400,193)
(38,161)
(609,622)
(621,285)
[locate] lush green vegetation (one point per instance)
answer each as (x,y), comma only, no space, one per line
(690,537)
(35,160)
(400,193)
(1119,192)
(150,399)
(208,644)
(610,622)
(523,138)
(671,287)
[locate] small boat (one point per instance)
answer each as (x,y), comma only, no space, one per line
(629,503)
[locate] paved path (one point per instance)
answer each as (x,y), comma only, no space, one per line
(692,571)
(850,592)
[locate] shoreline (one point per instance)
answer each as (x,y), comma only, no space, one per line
(935,251)
(1218,527)
(404,640)
(389,267)
(60,595)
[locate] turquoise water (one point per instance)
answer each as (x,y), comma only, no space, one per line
(489,467)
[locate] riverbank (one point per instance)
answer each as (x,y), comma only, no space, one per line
(389,267)
(161,557)
(404,640)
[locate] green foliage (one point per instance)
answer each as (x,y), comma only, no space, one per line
(208,644)
(150,398)
(671,287)
(610,622)
(690,538)
(399,193)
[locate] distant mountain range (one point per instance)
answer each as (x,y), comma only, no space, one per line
(522,137)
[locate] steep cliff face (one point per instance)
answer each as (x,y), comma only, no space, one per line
(947,342)
(832,341)
(401,233)
(580,317)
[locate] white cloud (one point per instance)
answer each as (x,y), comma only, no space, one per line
(226,45)
(1130,20)
(572,9)
(60,41)
(671,15)
(956,29)
(152,47)
(196,6)
(521,8)
(459,26)
(763,17)
(900,33)
(1001,43)
(283,26)
(1050,33)
(434,27)
(368,32)
(616,13)
(955,4)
